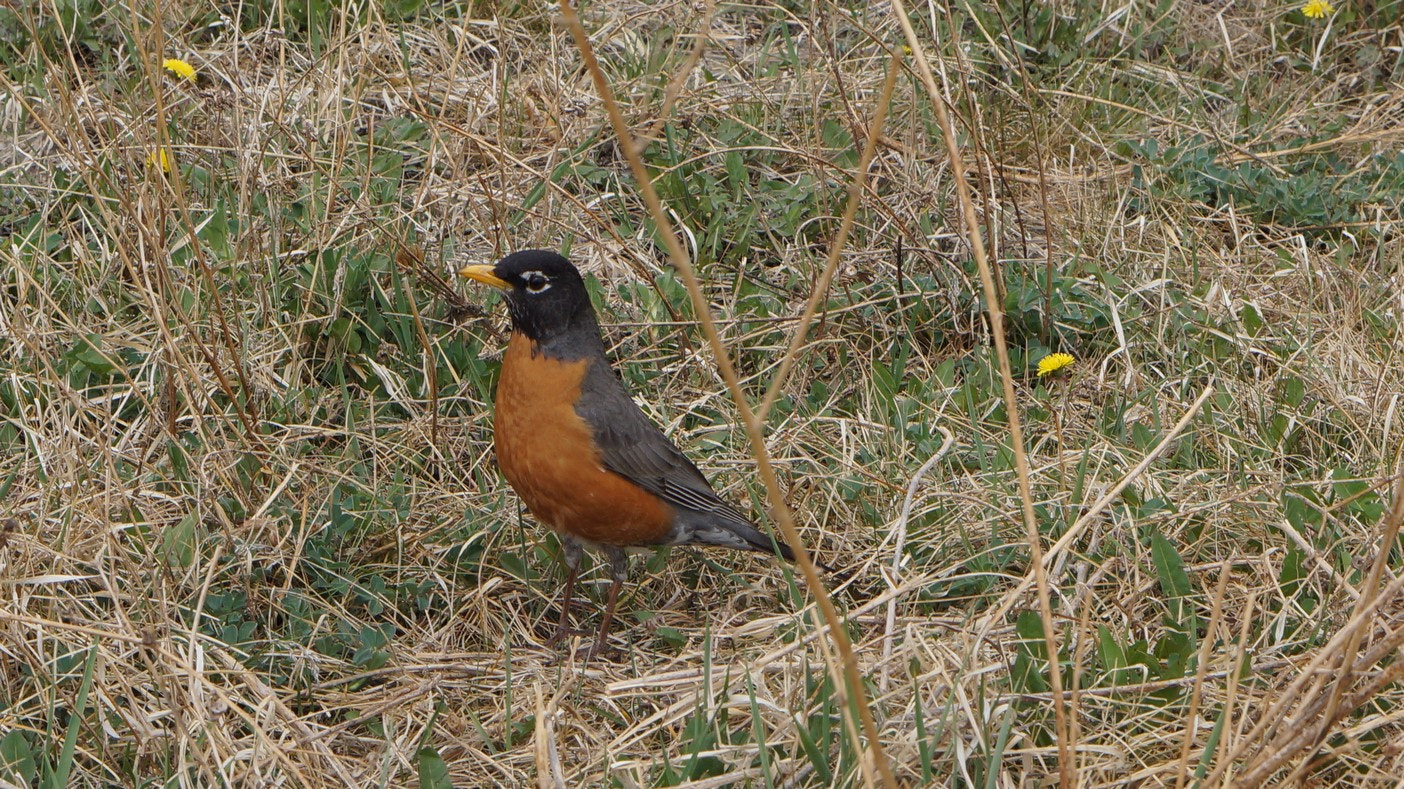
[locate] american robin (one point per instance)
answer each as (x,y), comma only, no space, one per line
(575,447)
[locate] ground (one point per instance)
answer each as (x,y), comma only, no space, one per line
(252,531)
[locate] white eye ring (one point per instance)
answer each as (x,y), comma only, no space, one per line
(536,282)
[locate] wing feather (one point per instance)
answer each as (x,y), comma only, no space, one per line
(632,446)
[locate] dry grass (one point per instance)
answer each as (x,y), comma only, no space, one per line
(251,526)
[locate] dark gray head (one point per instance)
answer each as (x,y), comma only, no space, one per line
(545,294)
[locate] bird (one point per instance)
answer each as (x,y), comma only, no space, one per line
(576,448)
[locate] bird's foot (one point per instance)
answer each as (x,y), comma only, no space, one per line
(562,633)
(601,648)
(597,649)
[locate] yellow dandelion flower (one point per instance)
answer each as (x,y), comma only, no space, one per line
(1053,362)
(1318,9)
(159,158)
(187,72)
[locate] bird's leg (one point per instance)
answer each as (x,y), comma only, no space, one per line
(573,553)
(619,570)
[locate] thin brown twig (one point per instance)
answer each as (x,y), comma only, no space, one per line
(1314,669)
(246,410)
(1302,737)
(1197,690)
(780,511)
(1297,739)
(1389,533)
(850,211)
(966,199)
(1096,509)
(95,176)
(675,84)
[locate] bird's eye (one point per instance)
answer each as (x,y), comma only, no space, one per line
(536,282)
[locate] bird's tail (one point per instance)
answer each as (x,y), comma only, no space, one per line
(756,540)
(743,536)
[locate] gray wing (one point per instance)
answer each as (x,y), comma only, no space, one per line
(633,447)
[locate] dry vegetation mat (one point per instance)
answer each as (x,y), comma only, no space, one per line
(252,533)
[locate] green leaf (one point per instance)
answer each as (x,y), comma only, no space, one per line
(433,770)
(178,542)
(1174,580)
(75,721)
(1169,567)
(1303,515)
(1176,650)
(16,757)
(87,353)
(1252,320)
(672,635)
(1030,663)
(1112,655)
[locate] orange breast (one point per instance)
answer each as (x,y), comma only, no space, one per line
(548,454)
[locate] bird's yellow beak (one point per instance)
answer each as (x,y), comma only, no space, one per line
(484,275)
